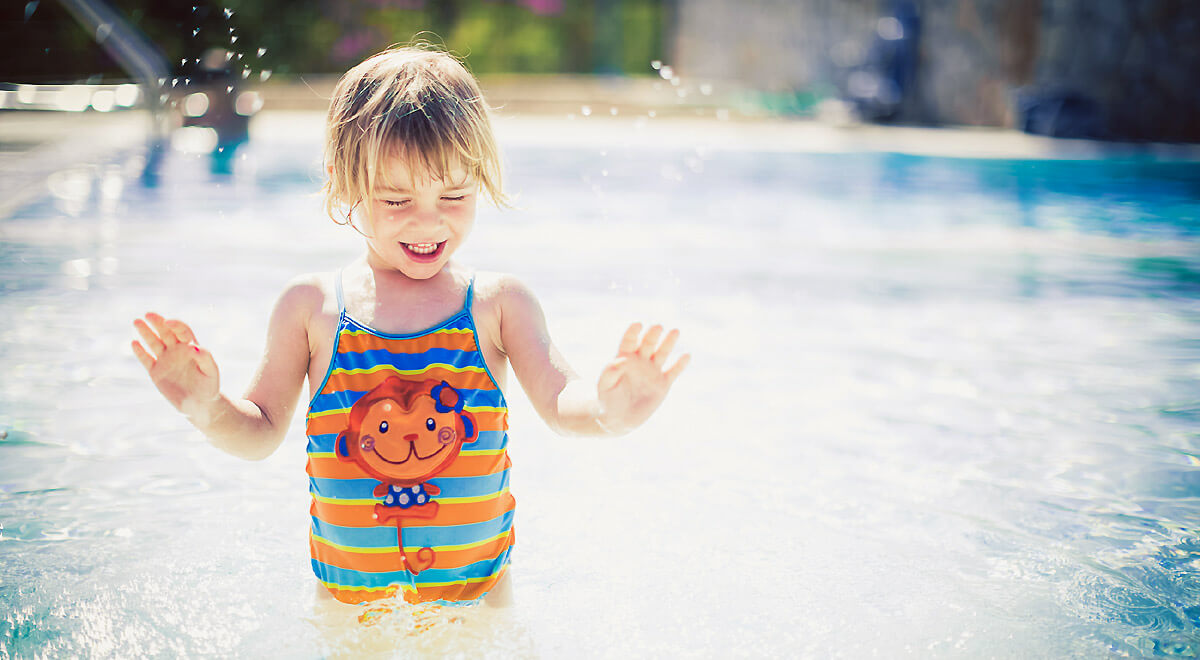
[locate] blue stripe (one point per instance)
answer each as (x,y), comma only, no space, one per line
(350,578)
(385,537)
(346,398)
(363,489)
(407,361)
(488,440)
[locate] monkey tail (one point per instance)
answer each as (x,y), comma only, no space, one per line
(424,558)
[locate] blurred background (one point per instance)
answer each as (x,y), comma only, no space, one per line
(1108,69)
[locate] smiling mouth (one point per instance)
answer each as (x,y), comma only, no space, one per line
(424,251)
(412,451)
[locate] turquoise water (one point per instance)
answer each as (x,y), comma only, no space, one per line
(937,407)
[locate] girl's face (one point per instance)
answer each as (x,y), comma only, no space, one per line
(417,221)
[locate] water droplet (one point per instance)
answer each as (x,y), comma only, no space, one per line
(239,56)
(706,89)
(666,72)
(586,110)
(233,40)
(245,73)
(656,65)
(262,51)
(613,111)
(603,172)
(195,32)
(187,81)
(30,7)
(103,31)
(265,75)
(228,13)
(229,89)
(183,62)
(174,82)
(652,114)
(228,56)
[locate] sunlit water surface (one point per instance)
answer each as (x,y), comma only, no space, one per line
(937,407)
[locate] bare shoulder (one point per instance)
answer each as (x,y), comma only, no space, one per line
(307,293)
(502,301)
(503,292)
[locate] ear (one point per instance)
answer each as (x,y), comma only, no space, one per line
(341,448)
(468,421)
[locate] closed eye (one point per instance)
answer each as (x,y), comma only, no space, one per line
(459,198)
(396,203)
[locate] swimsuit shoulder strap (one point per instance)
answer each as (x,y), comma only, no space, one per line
(470,294)
(341,299)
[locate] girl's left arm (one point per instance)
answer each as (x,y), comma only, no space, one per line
(630,388)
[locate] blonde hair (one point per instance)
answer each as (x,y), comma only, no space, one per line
(416,102)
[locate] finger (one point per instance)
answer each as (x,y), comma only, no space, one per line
(664,349)
(205,362)
(630,341)
(164,333)
(650,341)
(182,332)
(152,341)
(142,356)
(610,376)
(678,368)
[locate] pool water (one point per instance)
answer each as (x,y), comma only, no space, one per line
(937,407)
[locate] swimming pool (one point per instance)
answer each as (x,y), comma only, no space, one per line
(937,407)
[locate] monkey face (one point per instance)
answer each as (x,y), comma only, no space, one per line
(401,445)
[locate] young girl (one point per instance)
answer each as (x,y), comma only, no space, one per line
(407,352)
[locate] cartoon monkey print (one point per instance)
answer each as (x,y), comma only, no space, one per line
(403,433)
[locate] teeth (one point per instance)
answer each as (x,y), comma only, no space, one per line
(422,248)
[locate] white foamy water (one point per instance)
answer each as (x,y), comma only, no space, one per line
(936,407)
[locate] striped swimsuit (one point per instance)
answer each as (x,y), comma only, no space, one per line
(355,555)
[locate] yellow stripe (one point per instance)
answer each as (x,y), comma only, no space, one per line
(413,549)
(409,372)
(341,411)
(446,584)
(409,588)
(443,331)
(440,500)
(465,452)
(323,454)
(348,548)
(346,587)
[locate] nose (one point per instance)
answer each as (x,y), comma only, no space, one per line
(411,437)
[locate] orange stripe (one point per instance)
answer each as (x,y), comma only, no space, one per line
(453,592)
(382,562)
(331,467)
(455,341)
(463,380)
(363,515)
(336,423)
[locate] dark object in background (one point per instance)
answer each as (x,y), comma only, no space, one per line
(1059,113)
(878,86)
(212,100)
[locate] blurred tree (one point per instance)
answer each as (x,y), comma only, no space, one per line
(42,43)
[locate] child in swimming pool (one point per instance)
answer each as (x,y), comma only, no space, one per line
(407,352)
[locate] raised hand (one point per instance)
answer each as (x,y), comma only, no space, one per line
(633,385)
(185,373)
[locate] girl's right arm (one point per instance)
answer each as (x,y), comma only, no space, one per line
(252,426)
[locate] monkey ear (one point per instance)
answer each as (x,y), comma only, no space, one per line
(446,398)
(468,421)
(342,448)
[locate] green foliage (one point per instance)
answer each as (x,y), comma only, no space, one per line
(495,36)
